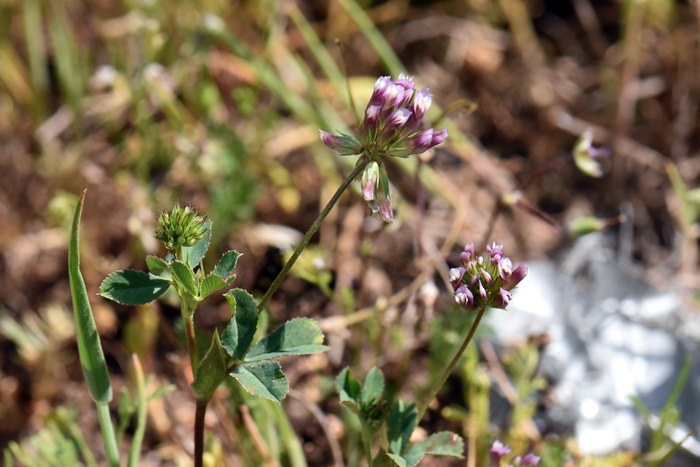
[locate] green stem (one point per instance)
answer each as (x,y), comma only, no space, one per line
(312,230)
(200,412)
(448,370)
(188,319)
(108,434)
(367,445)
(137,441)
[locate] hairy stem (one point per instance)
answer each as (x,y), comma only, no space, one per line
(448,370)
(199,414)
(108,434)
(312,230)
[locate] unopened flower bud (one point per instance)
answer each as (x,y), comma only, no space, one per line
(585,155)
(503,298)
(456,276)
(505,268)
(345,145)
(369,181)
(393,94)
(487,277)
(482,292)
(439,137)
(397,119)
(382,198)
(468,253)
(422,102)
(182,227)
(380,87)
(584,226)
(516,276)
(465,298)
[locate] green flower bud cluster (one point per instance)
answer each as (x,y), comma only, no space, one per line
(183,226)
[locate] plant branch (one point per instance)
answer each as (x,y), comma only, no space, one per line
(312,230)
(448,370)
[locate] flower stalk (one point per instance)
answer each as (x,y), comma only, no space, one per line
(450,366)
(312,230)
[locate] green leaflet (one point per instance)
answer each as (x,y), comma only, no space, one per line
(301,336)
(130,287)
(444,443)
(184,276)
(156,265)
(192,255)
(211,372)
(227,264)
(240,332)
(264,379)
(374,386)
(402,421)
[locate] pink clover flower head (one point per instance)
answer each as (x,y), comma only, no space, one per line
(392,127)
(344,144)
(497,451)
(488,280)
(400,118)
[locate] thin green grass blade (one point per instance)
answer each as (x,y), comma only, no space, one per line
(135,451)
(323,57)
(36,51)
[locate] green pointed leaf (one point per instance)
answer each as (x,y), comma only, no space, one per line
(89,347)
(301,336)
(211,372)
(162,391)
(227,264)
(402,421)
(184,276)
(194,254)
(156,265)
(444,443)
(210,285)
(350,391)
(373,387)
(240,332)
(264,379)
(671,451)
(677,388)
(384,459)
(348,387)
(130,287)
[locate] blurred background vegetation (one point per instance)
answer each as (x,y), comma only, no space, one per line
(218,103)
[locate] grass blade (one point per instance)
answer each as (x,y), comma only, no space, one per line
(136,442)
